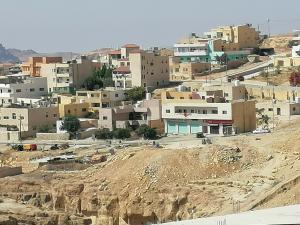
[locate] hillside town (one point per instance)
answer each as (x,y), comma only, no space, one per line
(133,135)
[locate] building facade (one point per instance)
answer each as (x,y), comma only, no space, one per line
(145,69)
(68,77)
(14,88)
(105,98)
(27,121)
(33,66)
(190,113)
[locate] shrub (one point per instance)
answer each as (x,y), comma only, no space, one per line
(121,133)
(71,124)
(147,132)
(103,134)
(136,94)
(44,129)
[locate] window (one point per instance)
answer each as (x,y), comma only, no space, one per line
(226,94)
(204,111)
(54,115)
(18,90)
(6,117)
(69,111)
(294,109)
(83,109)
(214,111)
(270,109)
(22,117)
(32,89)
(104,95)
(47,115)
(104,117)
(9,91)
(224,112)
(14,116)
(192,111)
(168,111)
(116,95)
(42,89)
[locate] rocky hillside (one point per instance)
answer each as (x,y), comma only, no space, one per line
(6,56)
(140,185)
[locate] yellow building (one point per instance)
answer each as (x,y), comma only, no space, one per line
(186,70)
(105,98)
(244,36)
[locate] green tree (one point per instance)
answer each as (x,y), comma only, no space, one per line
(121,133)
(104,134)
(136,94)
(93,82)
(146,132)
(71,124)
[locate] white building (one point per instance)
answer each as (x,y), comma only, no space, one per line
(16,87)
(190,113)
(296,51)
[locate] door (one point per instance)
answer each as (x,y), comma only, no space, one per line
(195,127)
(172,128)
(183,128)
(278,111)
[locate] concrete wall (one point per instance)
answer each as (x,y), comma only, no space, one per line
(10,171)
(149,70)
(244,116)
(76,109)
(52,136)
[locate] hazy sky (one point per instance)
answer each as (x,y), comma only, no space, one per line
(83,25)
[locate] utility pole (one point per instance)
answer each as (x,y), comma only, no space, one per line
(269,29)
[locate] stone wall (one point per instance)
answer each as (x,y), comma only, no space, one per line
(10,171)
(52,136)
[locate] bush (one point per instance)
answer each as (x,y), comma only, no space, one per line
(147,132)
(136,94)
(121,133)
(104,134)
(44,129)
(71,124)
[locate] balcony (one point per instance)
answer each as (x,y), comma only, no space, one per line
(194,53)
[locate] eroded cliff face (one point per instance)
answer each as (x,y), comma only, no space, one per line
(140,186)
(132,187)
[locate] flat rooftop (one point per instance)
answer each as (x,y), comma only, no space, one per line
(281,215)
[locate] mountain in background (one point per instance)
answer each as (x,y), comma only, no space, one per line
(16,55)
(6,56)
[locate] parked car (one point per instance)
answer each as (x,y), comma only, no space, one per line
(54,147)
(200,135)
(240,78)
(30,147)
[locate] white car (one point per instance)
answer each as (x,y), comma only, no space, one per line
(261,131)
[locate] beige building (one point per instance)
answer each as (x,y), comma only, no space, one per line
(68,77)
(105,98)
(33,66)
(28,120)
(186,70)
(279,108)
(190,113)
(145,69)
(146,112)
(244,36)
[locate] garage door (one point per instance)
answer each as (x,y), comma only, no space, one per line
(183,128)
(172,129)
(196,127)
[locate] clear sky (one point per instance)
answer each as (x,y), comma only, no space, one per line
(83,25)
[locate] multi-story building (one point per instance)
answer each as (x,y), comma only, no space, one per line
(33,66)
(243,36)
(27,121)
(67,77)
(190,113)
(186,70)
(144,69)
(98,99)
(15,88)
(198,49)
(145,112)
